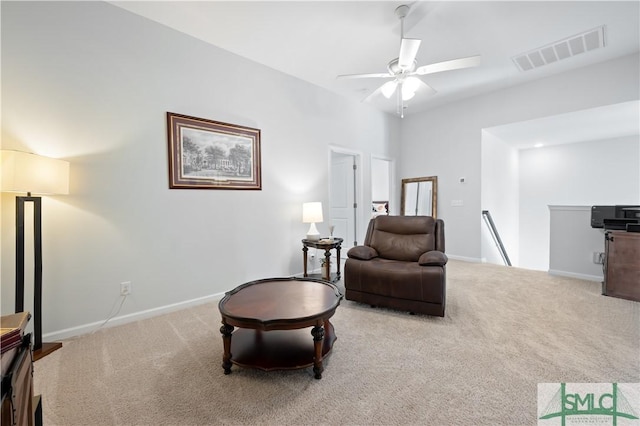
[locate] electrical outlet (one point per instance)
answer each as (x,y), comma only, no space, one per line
(598,257)
(125,288)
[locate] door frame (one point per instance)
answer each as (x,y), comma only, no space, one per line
(357,155)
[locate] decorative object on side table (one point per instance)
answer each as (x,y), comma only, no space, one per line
(207,154)
(312,213)
(29,173)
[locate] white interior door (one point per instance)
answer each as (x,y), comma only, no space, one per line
(343,198)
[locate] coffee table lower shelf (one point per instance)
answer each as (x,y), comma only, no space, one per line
(277,349)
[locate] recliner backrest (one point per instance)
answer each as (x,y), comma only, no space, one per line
(403,238)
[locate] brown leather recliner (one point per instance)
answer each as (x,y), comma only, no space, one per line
(400,266)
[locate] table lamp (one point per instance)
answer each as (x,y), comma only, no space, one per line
(29,173)
(312,213)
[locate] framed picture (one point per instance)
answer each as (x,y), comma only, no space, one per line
(207,154)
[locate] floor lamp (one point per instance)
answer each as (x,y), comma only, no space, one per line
(29,173)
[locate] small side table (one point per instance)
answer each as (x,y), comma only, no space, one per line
(327,247)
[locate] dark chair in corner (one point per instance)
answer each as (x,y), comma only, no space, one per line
(400,266)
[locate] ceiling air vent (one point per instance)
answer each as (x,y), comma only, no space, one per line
(563,49)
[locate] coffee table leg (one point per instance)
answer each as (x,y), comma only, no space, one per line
(226,331)
(318,336)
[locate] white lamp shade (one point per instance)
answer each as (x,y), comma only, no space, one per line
(312,212)
(24,172)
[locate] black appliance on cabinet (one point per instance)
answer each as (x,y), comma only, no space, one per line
(614,217)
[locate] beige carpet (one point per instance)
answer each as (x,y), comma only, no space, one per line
(505,331)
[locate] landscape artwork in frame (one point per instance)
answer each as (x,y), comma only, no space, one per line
(207,154)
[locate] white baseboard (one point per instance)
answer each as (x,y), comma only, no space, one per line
(464,258)
(598,278)
(125,319)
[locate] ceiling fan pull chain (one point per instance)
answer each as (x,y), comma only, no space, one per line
(400,100)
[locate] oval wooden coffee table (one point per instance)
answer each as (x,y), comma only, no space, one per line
(272,316)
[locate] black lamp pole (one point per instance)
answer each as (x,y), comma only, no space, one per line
(39,349)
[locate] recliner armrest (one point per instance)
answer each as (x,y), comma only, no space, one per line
(433,258)
(362,253)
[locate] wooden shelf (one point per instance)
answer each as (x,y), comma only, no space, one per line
(277,349)
(46,349)
(334,277)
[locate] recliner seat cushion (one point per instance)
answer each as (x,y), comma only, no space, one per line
(395,279)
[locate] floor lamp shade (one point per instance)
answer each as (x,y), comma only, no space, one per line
(312,213)
(29,173)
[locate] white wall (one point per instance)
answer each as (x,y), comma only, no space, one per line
(91,83)
(605,172)
(446,141)
(499,168)
(573,243)
(380,178)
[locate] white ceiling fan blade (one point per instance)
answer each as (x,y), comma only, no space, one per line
(454,64)
(408,51)
(375,75)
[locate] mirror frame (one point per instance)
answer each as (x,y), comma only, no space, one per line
(434,193)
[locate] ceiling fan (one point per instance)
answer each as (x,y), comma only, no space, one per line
(403,70)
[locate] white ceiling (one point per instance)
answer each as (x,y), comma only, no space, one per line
(607,122)
(318,40)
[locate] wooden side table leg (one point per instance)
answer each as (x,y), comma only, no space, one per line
(304,260)
(338,264)
(318,336)
(226,331)
(327,264)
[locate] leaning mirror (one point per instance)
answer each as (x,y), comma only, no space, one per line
(419,196)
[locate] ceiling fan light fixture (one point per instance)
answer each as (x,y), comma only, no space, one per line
(409,87)
(388,88)
(411,84)
(407,95)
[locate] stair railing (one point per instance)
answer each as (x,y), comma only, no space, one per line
(496,237)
